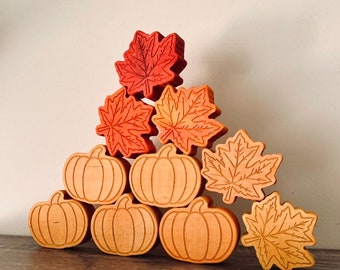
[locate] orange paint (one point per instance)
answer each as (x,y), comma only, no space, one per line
(126,125)
(186,118)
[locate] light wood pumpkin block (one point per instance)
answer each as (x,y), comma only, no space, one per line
(166,179)
(95,177)
(199,233)
(60,222)
(125,228)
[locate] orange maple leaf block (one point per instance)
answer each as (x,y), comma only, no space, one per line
(279,233)
(126,125)
(239,169)
(151,62)
(186,117)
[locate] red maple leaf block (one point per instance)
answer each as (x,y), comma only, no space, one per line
(279,233)
(239,169)
(186,117)
(126,125)
(151,62)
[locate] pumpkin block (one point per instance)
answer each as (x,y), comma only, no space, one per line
(61,222)
(199,233)
(125,228)
(95,177)
(165,179)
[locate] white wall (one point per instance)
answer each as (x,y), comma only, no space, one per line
(274,66)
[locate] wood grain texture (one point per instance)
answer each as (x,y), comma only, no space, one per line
(238,168)
(151,62)
(165,179)
(186,117)
(21,252)
(125,228)
(199,233)
(95,177)
(279,233)
(61,222)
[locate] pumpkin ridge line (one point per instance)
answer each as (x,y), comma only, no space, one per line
(95,232)
(41,234)
(133,232)
(103,179)
(185,182)
(74,177)
(220,235)
(144,230)
(76,237)
(172,233)
(143,160)
(66,222)
(174,181)
(111,185)
(103,231)
(48,227)
(83,182)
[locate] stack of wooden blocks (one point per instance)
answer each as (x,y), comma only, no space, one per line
(115,192)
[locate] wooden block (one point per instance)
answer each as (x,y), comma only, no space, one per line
(238,169)
(60,222)
(279,233)
(126,125)
(125,228)
(95,177)
(151,62)
(186,118)
(165,179)
(199,233)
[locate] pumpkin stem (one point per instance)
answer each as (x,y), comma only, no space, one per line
(97,151)
(198,205)
(57,197)
(167,150)
(124,200)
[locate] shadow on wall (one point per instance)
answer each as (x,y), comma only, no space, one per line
(258,102)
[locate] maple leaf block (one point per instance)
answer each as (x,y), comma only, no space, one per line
(185,117)
(126,123)
(151,62)
(239,169)
(279,233)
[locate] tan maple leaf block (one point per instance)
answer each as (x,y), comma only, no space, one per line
(238,168)
(279,233)
(186,118)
